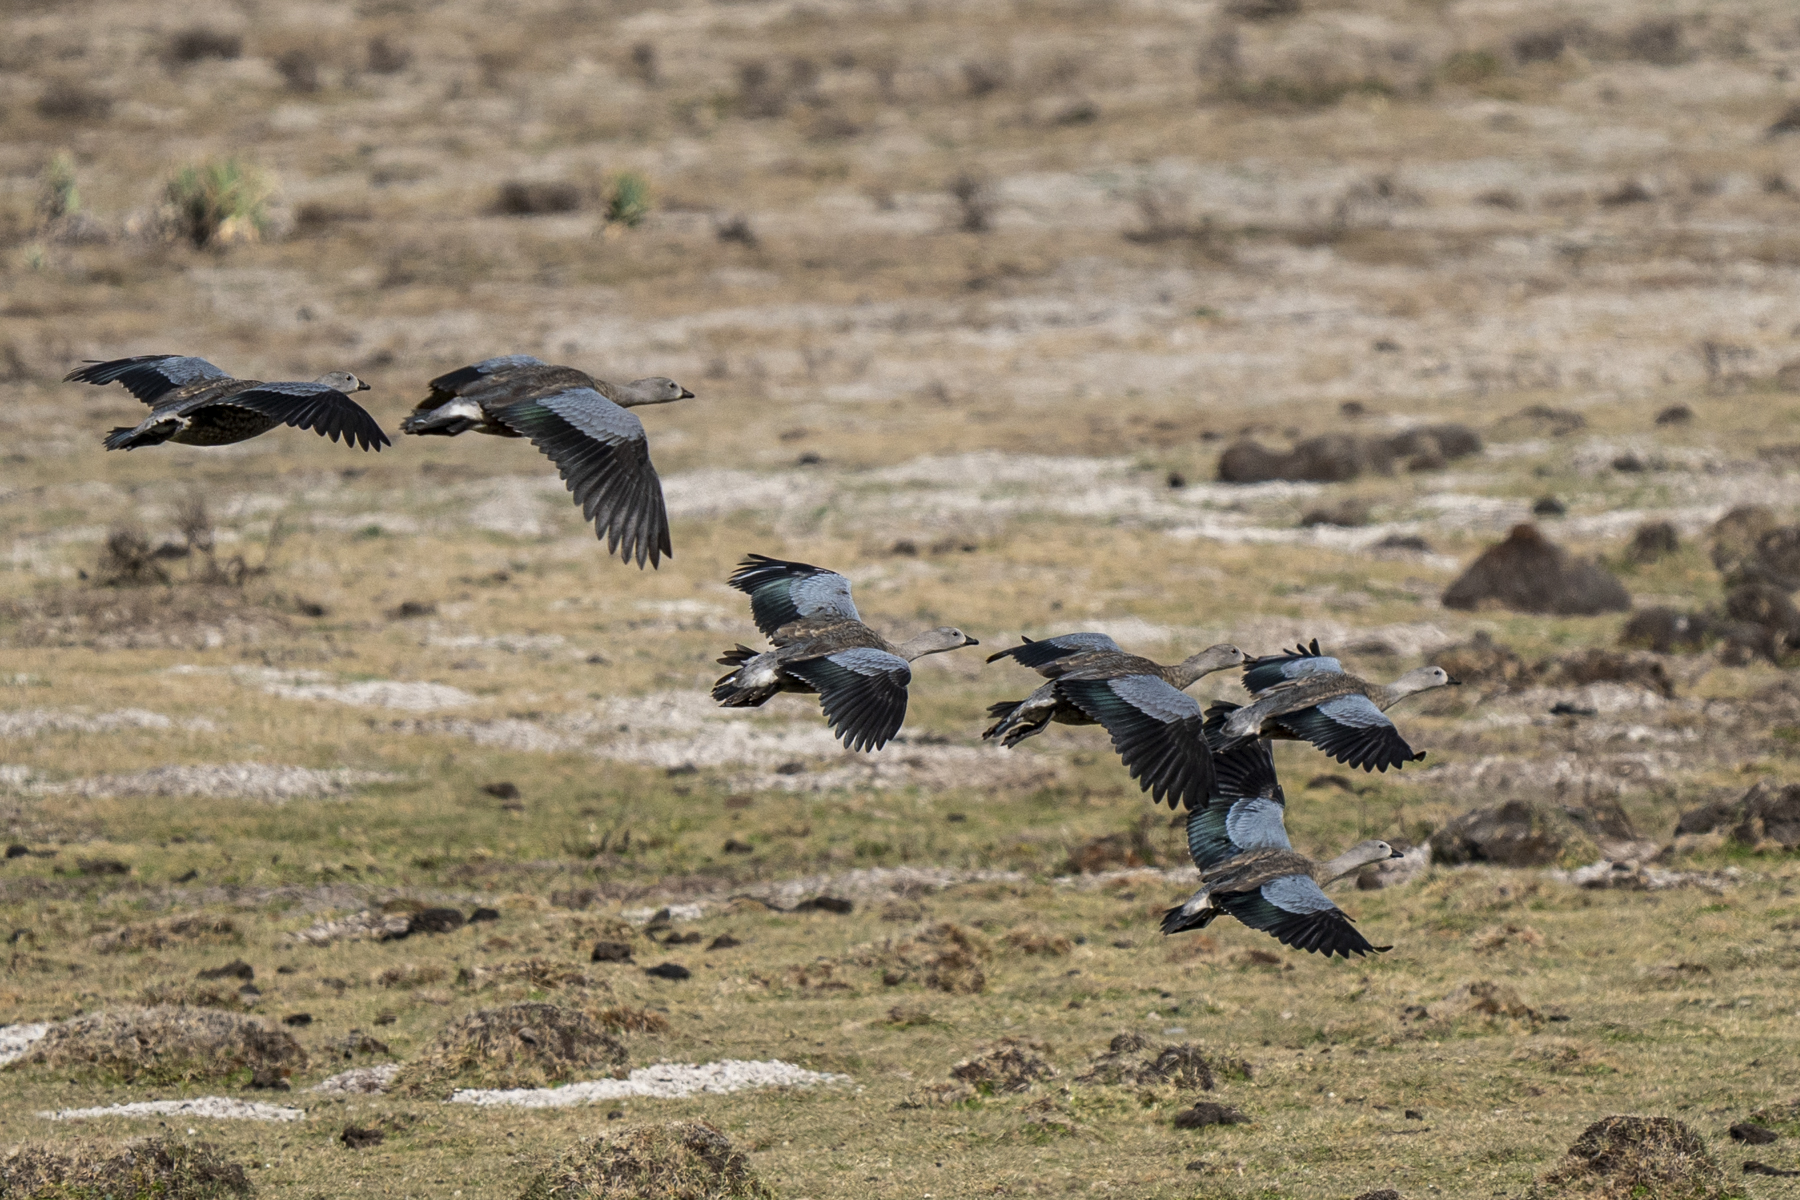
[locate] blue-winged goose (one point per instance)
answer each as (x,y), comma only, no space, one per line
(1155,725)
(1249,869)
(193,403)
(1309,697)
(582,424)
(822,646)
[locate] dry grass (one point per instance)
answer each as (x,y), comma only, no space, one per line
(166,1044)
(680,1160)
(518,1046)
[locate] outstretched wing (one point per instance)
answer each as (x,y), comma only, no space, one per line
(1265,671)
(603,456)
(455,383)
(1353,731)
(1296,911)
(863,693)
(324,410)
(1155,729)
(781,592)
(1047,650)
(149,377)
(1246,807)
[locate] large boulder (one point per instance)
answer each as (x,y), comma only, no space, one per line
(1767,817)
(1524,833)
(1731,542)
(1529,573)
(1341,457)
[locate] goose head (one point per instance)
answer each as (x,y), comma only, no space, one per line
(1423,679)
(342,381)
(658,389)
(1357,857)
(935,641)
(1214,658)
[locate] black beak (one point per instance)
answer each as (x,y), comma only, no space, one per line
(973,642)
(1454,682)
(685,395)
(362,386)
(1393,853)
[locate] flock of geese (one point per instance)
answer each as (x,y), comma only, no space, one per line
(1216,764)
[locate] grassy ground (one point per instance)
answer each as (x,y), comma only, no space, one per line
(1179,226)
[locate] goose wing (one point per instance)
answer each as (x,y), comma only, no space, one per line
(1245,809)
(1265,671)
(149,377)
(1353,731)
(476,375)
(781,592)
(602,454)
(1296,912)
(324,410)
(1035,654)
(1156,730)
(863,693)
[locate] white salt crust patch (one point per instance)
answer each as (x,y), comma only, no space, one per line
(217,1108)
(15,1040)
(664,1081)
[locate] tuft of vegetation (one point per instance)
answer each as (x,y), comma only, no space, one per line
(677,1160)
(628,202)
(519,1045)
(58,195)
(975,202)
(156,1167)
(166,1044)
(220,202)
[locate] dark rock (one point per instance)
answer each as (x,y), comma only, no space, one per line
(1557,422)
(1665,630)
(723,942)
(1767,817)
(298,1020)
(1430,447)
(1752,1167)
(357,1042)
(413,608)
(1380,1194)
(1529,573)
(437,920)
(605,952)
(387,1018)
(1345,514)
(1562,708)
(235,969)
(1328,458)
(668,970)
(1595,665)
(1776,559)
(1630,464)
(1731,542)
(17,850)
(270,1079)
(1208,1113)
(733,846)
(249,993)
(1548,506)
(682,939)
(101,866)
(1413,1114)
(1402,543)
(1653,541)
(1750,1133)
(830,904)
(1675,414)
(1011,1064)
(504,790)
(358,1138)
(1521,833)
(484,914)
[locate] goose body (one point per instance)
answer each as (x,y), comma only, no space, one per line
(1155,725)
(1249,869)
(1307,696)
(193,403)
(819,644)
(581,424)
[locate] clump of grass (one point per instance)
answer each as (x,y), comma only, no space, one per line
(226,200)
(677,1160)
(519,1045)
(628,203)
(1621,1157)
(198,43)
(975,203)
(58,195)
(166,1044)
(153,1167)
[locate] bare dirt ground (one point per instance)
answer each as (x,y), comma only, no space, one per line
(972,296)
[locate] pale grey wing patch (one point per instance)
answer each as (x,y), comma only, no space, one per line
(1358,712)
(1297,894)
(826,595)
(866,660)
(186,370)
(488,366)
(1155,697)
(595,415)
(1257,824)
(1086,643)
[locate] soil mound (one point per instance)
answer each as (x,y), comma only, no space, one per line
(1010,1065)
(1483,999)
(1524,833)
(1767,817)
(1481,660)
(167,1043)
(1619,1157)
(153,1167)
(1529,573)
(1652,542)
(1665,630)
(1131,1060)
(1341,457)
(518,1046)
(677,1160)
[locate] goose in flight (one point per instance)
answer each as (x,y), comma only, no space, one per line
(1155,725)
(1249,869)
(193,403)
(821,645)
(1307,696)
(581,424)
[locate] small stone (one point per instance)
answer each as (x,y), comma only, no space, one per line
(356,1138)
(235,969)
(1548,506)
(1413,1114)
(830,904)
(386,1018)
(1380,1194)
(733,846)
(503,790)
(605,952)
(17,850)
(668,970)
(270,1079)
(1752,1134)
(437,920)
(484,914)
(723,942)
(1752,1167)
(1208,1113)
(298,1020)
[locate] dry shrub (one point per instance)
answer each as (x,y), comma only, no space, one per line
(1595,665)
(1564,1056)
(627,1019)
(1665,631)
(535,973)
(677,1160)
(128,560)
(156,935)
(166,1044)
(1731,542)
(1484,1000)
(386,57)
(1766,818)
(975,202)
(1620,1157)
(945,957)
(1009,1065)
(135,618)
(1526,833)
(1497,937)
(191,996)
(1529,573)
(219,202)
(157,1167)
(1034,939)
(410,975)
(1482,660)
(299,70)
(1131,1060)
(527,198)
(520,1045)
(1653,541)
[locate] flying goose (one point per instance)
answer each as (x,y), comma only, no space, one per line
(1249,869)
(193,403)
(1307,696)
(1155,725)
(579,422)
(821,645)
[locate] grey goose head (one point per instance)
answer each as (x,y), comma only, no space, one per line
(658,389)
(1422,679)
(342,381)
(1214,658)
(1356,858)
(935,641)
